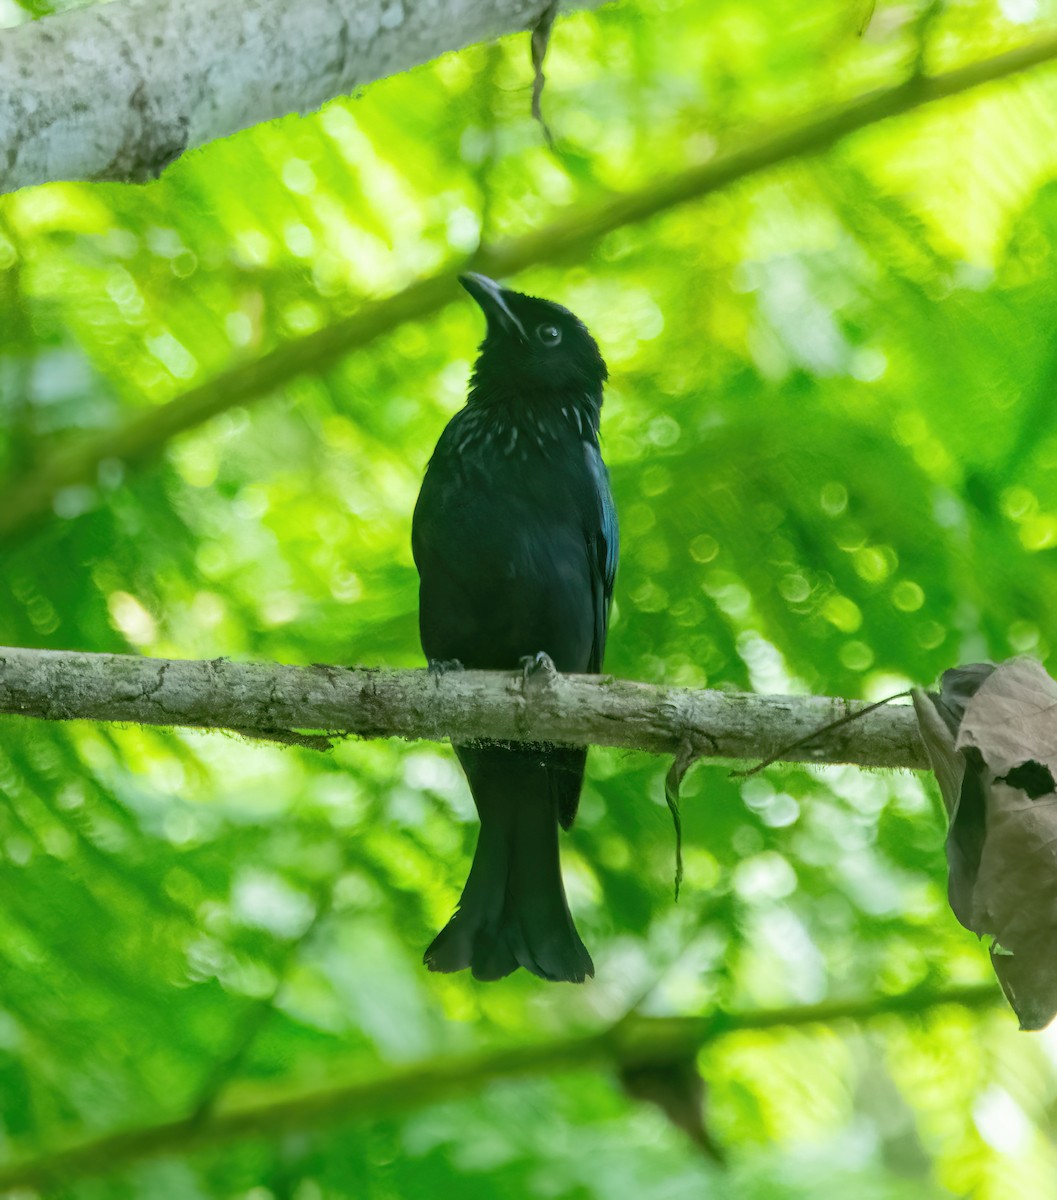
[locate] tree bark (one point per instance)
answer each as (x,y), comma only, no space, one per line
(118,91)
(271,701)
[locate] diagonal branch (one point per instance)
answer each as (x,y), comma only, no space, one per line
(636,1039)
(118,91)
(28,499)
(464,706)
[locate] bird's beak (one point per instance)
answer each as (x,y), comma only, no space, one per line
(494,303)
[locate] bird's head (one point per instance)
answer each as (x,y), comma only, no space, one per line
(532,346)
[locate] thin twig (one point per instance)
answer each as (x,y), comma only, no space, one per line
(673,781)
(541,39)
(787,750)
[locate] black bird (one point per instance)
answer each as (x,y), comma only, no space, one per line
(515,540)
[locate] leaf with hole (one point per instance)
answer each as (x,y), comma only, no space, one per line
(991,735)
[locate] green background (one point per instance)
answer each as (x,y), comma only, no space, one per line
(832,435)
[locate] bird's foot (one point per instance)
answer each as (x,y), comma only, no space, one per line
(444,666)
(538,668)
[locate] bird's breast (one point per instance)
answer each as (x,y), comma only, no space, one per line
(502,547)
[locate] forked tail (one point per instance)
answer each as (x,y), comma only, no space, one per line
(513,912)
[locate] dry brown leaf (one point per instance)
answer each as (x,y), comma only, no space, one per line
(991,734)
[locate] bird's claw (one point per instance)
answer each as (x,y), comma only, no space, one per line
(536,664)
(444,666)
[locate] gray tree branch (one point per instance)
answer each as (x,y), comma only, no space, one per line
(266,699)
(118,91)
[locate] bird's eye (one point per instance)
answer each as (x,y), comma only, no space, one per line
(549,335)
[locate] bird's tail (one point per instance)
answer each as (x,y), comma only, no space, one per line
(513,912)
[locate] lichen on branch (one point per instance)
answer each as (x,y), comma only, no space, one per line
(271,700)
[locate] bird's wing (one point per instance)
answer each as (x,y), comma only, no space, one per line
(604,539)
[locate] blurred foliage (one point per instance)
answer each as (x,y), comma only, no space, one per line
(832,434)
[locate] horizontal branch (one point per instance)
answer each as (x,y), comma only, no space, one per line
(269,700)
(29,498)
(635,1040)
